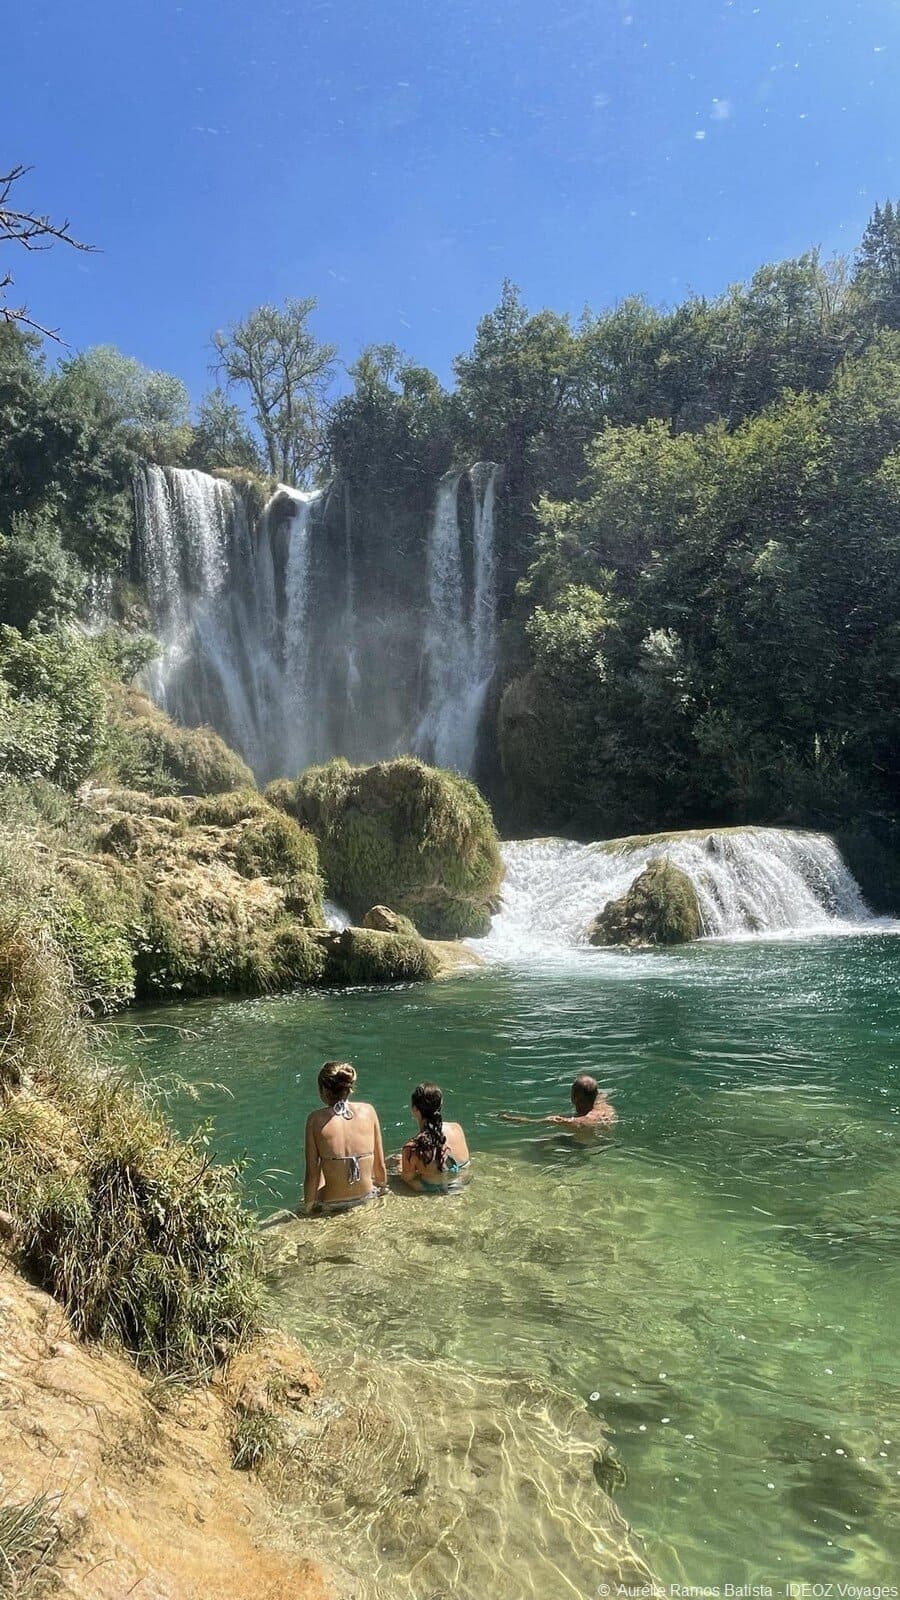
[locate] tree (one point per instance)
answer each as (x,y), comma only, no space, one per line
(394,428)
(516,388)
(221,436)
(876,280)
(63,457)
(287,371)
(153,408)
(33,231)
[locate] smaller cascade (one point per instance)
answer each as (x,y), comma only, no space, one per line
(300,701)
(749,881)
(460,643)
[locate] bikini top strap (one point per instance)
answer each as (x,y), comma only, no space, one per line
(341,1108)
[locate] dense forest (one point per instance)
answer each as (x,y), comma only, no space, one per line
(701,531)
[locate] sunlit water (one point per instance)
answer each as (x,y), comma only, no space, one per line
(718,1285)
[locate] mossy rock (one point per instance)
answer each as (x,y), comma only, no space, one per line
(365,956)
(402,834)
(660,908)
(254,488)
(150,752)
(383,920)
(216,901)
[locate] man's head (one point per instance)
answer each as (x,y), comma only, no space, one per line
(585,1090)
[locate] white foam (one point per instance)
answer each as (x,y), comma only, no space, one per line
(750,882)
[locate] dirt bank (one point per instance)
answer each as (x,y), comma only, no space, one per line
(141,1498)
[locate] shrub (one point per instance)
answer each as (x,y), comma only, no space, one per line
(146,750)
(52,706)
(99,952)
(403,834)
(256,1437)
(140,1238)
(39,580)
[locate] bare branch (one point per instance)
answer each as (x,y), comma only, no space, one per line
(33,231)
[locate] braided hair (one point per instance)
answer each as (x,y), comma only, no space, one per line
(431,1144)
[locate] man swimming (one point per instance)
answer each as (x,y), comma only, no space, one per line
(592,1110)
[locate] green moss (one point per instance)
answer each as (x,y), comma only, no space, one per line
(254,488)
(296,957)
(400,833)
(363,956)
(276,847)
(660,907)
(227,809)
(148,751)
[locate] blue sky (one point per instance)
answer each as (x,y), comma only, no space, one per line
(397,159)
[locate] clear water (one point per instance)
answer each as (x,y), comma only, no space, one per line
(720,1284)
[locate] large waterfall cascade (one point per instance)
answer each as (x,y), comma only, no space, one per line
(460,653)
(293,639)
(749,881)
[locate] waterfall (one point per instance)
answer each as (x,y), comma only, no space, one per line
(460,643)
(192,536)
(305,637)
(748,881)
(300,701)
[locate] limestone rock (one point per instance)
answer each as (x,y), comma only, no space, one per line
(660,908)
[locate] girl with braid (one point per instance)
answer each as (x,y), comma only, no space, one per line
(437,1160)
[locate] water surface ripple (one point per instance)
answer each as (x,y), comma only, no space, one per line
(719,1285)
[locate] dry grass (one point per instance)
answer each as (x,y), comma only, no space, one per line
(29,1540)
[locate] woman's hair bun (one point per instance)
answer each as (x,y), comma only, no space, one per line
(337,1077)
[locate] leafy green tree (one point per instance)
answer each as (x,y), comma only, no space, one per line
(287,373)
(517,390)
(62,456)
(221,436)
(395,428)
(151,408)
(53,707)
(876,278)
(40,582)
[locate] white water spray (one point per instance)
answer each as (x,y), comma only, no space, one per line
(291,638)
(460,646)
(749,881)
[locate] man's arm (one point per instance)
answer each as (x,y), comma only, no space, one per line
(313,1168)
(513,1116)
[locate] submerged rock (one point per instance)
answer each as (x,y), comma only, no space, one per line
(659,908)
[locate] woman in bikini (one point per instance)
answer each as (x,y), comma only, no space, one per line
(344,1153)
(437,1160)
